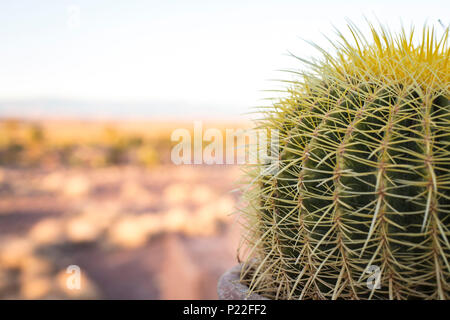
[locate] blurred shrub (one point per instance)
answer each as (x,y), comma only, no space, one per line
(11,154)
(147,156)
(87,156)
(35,134)
(34,144)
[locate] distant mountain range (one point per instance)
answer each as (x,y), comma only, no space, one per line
(70,108)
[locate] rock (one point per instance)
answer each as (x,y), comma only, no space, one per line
(202,223)
(128,232)
(177,193)
(76,186)
(175,220)
(35,266)
(52,182)
(36,287)
(202,194)
(35,278)
(138,194)
(47,231)
(133,190)
(14,251)
(81,229)
(152,223)
(100,218)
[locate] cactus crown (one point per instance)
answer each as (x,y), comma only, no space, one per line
(362,192)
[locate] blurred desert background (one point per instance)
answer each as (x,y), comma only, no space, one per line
(105,196)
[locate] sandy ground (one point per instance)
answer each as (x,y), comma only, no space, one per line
(161,233)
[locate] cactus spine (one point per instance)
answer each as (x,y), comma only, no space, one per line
(363,186)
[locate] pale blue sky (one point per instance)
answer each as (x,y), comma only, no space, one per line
(167,57)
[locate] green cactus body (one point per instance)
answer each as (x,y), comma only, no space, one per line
(363,180)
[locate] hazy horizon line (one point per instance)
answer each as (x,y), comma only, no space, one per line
(96,109)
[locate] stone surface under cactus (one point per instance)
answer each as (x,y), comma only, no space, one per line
(362,191)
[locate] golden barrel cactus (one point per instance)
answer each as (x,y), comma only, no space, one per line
(359,207)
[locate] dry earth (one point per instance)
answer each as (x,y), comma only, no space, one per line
(160,233)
